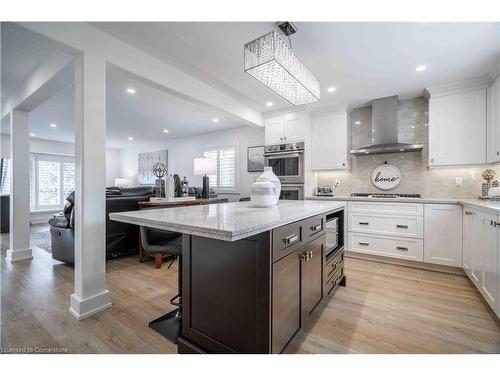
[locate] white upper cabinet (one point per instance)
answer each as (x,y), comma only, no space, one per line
(274,131)
(457,128)
(330,139)
(494,122)
(443,234)
(286,128)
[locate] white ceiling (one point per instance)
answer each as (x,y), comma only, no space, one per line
(362,60)
(142,116)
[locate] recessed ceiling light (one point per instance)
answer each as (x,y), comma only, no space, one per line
(331,89)
(215,119)
(269,104)
(32,135)
(130,90)
(357,122)
(165,130)
(130,138)
(53,125)
(420,68)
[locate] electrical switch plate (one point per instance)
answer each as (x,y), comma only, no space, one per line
(459,181)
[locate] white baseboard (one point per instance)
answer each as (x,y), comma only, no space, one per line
(19,255)
(83,308)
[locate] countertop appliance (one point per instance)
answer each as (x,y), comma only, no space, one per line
(287,161)
(325,191)
(386,195)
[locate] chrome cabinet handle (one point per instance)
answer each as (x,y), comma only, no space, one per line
(402,248)
(402,226)
(364,243)
(316,227)
(291,239)
(364,223)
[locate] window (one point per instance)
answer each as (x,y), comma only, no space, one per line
(5,180)
(52,180)
(225,179)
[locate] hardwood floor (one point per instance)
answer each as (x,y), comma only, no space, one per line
(384,309)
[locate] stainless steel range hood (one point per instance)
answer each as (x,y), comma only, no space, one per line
(385,130)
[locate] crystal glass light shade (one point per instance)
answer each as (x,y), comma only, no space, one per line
(272,62)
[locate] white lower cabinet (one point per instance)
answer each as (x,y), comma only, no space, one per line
(443,234)
(386,229)
(481,239)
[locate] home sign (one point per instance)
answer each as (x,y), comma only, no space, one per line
(386,177)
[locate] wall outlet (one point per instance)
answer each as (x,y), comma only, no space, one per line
(459,181)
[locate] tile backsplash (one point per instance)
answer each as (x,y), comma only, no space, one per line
(416,176)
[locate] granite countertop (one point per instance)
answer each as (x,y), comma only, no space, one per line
(492,206)
(226,221)
(399,200)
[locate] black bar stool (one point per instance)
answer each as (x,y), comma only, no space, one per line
(157,241)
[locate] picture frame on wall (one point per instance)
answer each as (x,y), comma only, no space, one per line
(255,159)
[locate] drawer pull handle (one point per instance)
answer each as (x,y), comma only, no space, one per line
(364,223)
(402,248)
(364,243)
(315,228)
(291,239)
(402,226)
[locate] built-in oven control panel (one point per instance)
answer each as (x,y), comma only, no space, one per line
(297,146)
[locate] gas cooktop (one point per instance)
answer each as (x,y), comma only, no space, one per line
(382,195)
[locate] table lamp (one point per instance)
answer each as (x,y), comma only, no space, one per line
(204,167)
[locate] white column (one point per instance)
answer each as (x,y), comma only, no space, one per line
(91,295)
(19,239)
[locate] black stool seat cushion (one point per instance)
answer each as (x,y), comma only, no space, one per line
(164,242)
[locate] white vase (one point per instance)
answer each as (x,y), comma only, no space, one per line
(269,176)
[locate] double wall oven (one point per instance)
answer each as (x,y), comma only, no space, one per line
(287,162)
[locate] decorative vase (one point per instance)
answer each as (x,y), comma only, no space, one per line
(263,194)
(269,176)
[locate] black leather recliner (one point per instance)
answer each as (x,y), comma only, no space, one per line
(121,239)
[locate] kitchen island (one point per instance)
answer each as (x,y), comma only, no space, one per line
(254,280)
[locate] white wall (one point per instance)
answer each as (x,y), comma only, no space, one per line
(182,151)
(44,146)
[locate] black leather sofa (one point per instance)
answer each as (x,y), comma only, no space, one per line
(121,239)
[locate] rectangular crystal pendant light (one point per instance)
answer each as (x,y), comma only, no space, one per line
(272,62)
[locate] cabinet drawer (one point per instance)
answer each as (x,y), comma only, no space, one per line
(395,247)
(406,226)
(386,208)
(333,282)
(314,226)
(332,266)
(286,239)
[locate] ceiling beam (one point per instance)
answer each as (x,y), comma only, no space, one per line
(54,74)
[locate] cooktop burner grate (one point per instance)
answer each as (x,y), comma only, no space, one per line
(386,195)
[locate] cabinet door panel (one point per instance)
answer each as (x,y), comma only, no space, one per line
(494,122)
(329,142)
(287,309)
(457,129)
(294,128)
(489,253)
(475,247)
(274,131)
(443,234)
(466,239)
(314,274)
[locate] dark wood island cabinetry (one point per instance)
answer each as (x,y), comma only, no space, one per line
(260,294)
